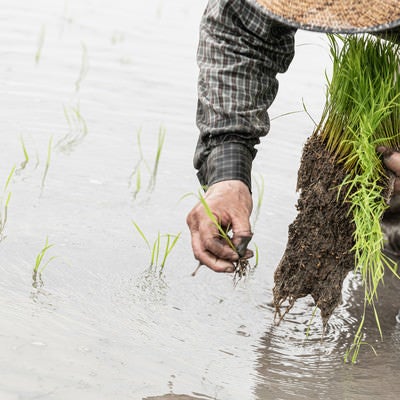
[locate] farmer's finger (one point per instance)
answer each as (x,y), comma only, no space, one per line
(248,254)
(220,248)
(391,159)
(217,264)
(396,186)
(207,257)
(241,241)
(211,261)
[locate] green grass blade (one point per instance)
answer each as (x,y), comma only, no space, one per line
(48,159)
(169,247)
(141,233)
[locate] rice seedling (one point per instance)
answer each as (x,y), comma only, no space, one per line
(136,177)
(160,248)
(84,67)
(4,202)
(285,114)
(27,158)
(77,129)
(222,232)
(308,113)
(160,145)
(362,112)
(26,155)
(256,255)
(138,182)
(48,159)
(41,263)
(40,43)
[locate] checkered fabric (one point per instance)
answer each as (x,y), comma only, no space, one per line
(240,52)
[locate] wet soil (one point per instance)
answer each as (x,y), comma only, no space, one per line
(318,254)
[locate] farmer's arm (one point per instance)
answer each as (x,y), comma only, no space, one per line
(240,52)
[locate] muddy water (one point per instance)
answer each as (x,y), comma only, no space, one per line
(82,78)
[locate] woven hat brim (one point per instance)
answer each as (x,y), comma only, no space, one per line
(326,16)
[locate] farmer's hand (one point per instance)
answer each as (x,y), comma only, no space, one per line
(390,220)
(391,159)
(231,203)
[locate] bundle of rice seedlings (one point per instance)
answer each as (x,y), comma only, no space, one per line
(344,185)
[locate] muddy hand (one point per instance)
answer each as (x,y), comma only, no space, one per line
(391,159)
(231,203)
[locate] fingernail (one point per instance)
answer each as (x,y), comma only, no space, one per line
(229,269)
(242,245)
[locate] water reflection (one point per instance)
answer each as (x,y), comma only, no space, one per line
(292,365)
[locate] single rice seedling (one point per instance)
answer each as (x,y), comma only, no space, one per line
(160,249)
(48,159)
(138,182)
(27,158)
(40,262)
(77,129)
(140,150)
(256,256)
(160,145)
(26,155)
(40,43)
(4,201)
(286,114)
(136,177)
(40,265)
(84,67)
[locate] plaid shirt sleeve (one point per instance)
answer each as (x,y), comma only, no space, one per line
(240,53)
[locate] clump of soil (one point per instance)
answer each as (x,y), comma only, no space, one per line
(318,255)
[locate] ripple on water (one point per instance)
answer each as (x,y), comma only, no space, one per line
(298,359)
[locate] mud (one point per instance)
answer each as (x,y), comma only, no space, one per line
(318,255)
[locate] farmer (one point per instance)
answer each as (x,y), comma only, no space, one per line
(243,45)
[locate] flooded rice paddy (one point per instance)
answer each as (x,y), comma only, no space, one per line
(87,90)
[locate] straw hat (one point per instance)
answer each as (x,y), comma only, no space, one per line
(345,16)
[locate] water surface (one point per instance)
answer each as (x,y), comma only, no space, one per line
(83,78)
